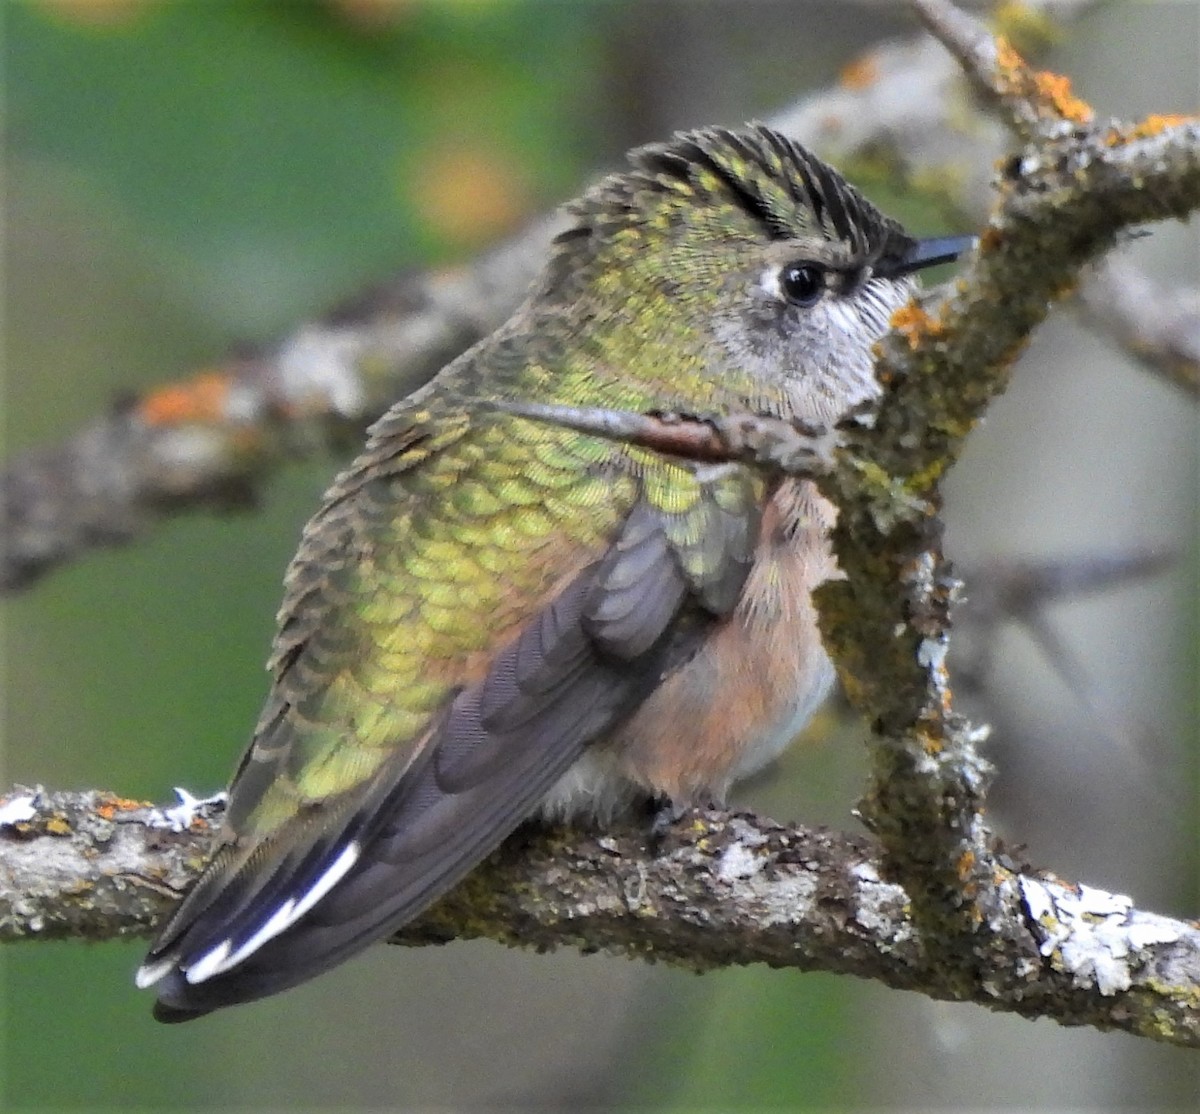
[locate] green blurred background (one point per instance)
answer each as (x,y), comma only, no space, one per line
(187,177)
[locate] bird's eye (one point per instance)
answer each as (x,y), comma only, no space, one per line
(802,283)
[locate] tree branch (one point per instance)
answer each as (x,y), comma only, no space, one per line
(1061,204)
(1157,326)
(722,889)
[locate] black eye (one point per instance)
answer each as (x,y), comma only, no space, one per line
(802,283)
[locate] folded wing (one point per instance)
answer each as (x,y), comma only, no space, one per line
(289,897)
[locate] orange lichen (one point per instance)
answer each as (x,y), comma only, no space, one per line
(966,864)
(1065,287)
(1049,92)
(108,806)
(861,73)
(914,324)
(947,695)
(1154,124)
(990,239)
(1009,61)
(1056,89)
(930,743)
(201,399)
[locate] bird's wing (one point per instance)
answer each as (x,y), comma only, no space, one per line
(438,667)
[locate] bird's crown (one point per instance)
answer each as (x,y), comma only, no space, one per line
(773,187)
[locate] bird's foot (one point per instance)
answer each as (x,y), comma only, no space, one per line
(665,815)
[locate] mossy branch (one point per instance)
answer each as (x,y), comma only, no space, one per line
(722,889)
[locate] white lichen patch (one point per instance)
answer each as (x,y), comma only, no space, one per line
(18,810)
(738,861)
(321,364)
(634,890)
(180,817)
(1149,929)
(865,872)
(931,653)
(244,403)
(185,451)
(1094,936)
(880,907)
(779,900)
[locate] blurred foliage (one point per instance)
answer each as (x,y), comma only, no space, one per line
(289,130)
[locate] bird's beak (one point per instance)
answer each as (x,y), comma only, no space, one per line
(925,253)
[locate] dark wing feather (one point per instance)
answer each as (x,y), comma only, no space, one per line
(579,667)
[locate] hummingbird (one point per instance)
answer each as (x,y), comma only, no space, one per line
(494,617)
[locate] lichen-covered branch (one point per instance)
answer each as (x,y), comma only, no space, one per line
(1064,201)
(210,441)
(721,889)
